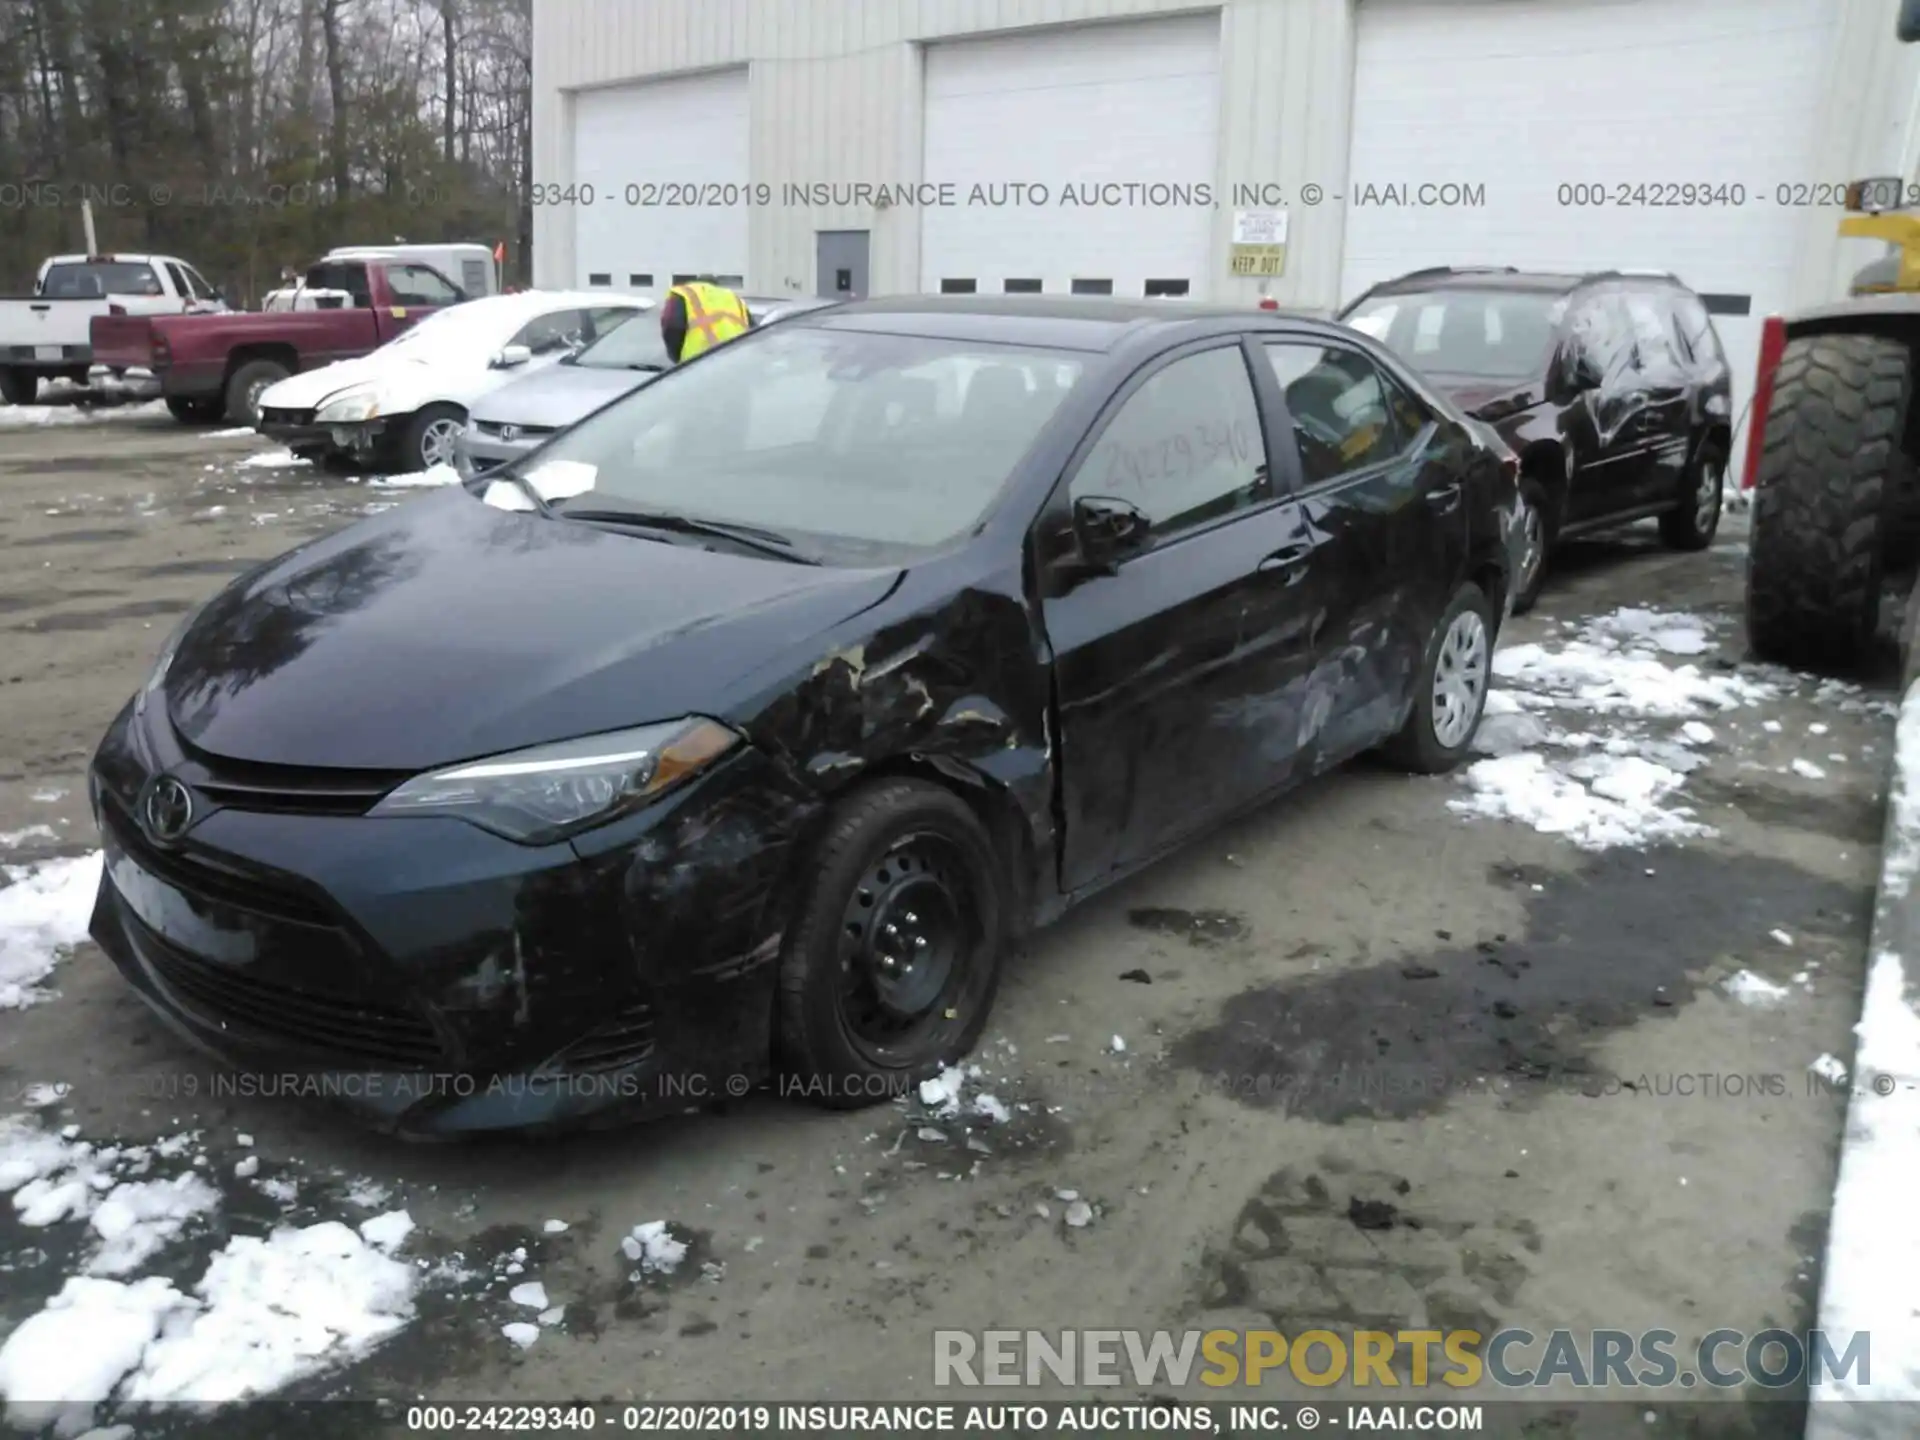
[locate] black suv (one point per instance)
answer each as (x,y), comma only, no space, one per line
(1612,389)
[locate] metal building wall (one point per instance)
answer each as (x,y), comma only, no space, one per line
(836,96)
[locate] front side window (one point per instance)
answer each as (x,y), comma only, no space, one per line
(1185,447)
(1347,416)
(554,333)
(1483,334)
(837,438)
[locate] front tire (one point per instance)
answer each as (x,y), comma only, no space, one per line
(429,438)
(1451,689)
(1830,464)
(1537,526)
(889,971)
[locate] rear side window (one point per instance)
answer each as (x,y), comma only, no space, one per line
(1347,416)
(96,281)
(1695,327)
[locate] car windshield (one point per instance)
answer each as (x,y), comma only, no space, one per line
(835,439)
(1490,334)
(93,281)
(635,346)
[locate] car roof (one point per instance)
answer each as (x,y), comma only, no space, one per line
(1061,322)
(1508,278)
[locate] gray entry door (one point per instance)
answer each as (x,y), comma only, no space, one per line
(842,264)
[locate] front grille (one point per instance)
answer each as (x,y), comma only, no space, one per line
(625,1040)
(277,416)
(288,789)
(198,874)
(497,429)
(348,1028)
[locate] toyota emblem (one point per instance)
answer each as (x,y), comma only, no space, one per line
(167,810)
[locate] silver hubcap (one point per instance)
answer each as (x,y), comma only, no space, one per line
(1707,498)
(436,443)
(1533,539)
(1460,679)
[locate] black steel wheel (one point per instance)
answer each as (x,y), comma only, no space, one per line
(889,972)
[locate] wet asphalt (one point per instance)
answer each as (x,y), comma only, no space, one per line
(1381,1064)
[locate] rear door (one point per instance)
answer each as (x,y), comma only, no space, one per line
(1600,379)
(1662,397)
(1381,496)
(1178,678)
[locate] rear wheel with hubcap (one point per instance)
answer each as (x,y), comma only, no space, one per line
(1450,692)
(1692,523)
(889,971)
(1536,538)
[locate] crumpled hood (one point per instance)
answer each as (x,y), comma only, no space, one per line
(446,629)
(306,390)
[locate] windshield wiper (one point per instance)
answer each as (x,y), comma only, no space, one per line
(769,542)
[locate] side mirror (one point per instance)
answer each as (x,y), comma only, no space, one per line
(512,356)
(1582,373)
(1908,29)
(1106,531)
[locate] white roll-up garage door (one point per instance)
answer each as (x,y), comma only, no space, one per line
(1562,110)
(1127,113)
(662,138)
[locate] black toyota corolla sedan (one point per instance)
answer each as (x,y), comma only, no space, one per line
(737,732)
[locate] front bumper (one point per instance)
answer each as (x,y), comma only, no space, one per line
(476,451)
(431,977)
(298,430)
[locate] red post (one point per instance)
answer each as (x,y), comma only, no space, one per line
(1773,340)
(1267,302)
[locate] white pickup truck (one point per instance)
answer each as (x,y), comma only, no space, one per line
(48,334)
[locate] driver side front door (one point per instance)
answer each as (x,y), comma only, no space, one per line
(1174,675)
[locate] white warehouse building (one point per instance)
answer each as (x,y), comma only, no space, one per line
(1121,146)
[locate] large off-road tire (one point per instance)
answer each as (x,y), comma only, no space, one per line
(246,385)
(18,387)
(1824,498)
(905,876)
(1450,690)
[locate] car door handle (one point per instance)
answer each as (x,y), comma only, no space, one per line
(1445,498)
(1288,560)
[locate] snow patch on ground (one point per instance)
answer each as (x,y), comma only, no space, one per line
(1902,857)
(25,417)
(12,839)
(955,1093)
(273,460)
(1751,989)
(652,1247)
(43,913)
(419,479)
(1591,738)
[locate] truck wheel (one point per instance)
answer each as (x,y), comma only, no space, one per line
(1822,499)
(245,386)
(428,438)
(194,409)
(1692,524)
(18,387)
(890,966)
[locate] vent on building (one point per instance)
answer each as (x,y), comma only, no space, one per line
(640,281)
(1165,289)
(957,287)
(1022,287)
(600,278)
(1093,287)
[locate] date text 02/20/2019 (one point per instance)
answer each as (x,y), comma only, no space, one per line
(769,1421)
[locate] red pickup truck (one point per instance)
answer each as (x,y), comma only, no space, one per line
(211,366)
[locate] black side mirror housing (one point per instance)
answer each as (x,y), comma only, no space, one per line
(1106,530)
(1908,28)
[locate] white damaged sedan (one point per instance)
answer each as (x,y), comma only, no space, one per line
(402,406)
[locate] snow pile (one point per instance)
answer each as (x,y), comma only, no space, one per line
(44,910)
(1872,1269)
(266,1312)
(1615,783)
(1752,989)
(954,1094)
(273,460)
(419,479)
(652,1247)
(137,1218)
(22,417)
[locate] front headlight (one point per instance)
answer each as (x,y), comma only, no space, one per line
(349,408)
(163,663)
(549,792)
